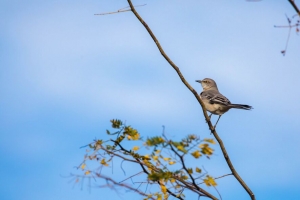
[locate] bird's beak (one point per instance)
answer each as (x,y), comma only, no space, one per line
(199,81)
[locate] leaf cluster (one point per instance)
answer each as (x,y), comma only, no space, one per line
(161,160)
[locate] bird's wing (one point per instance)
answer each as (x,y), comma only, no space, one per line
(214,97)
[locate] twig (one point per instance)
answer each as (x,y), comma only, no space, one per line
(124,185)
(130,177)
(212,129)
(146,172)
(218,192)
(289,34)
(119,11)
(217,178)
(287,42)
(191,177)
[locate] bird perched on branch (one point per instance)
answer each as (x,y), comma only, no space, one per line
(214,101)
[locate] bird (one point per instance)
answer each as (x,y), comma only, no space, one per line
(214,101)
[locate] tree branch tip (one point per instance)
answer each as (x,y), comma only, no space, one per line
(120,10)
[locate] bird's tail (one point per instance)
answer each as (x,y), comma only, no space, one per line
(241,106)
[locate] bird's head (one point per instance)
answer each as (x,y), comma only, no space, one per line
(208,84)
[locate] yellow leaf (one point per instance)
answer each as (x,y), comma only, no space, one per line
(163,189)
(172,162)
(157,151)
(136,137)
(180,147)
(172,180)
(135,148)
(155,158)
(83,166)
(210,141)
(198,170)
(205,149)
(196,154)
(166,196)
(87,172)
(103,162)
(184,177)
(210,181)
(167,159)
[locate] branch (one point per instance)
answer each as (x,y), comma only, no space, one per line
(218,177)
(191,177)
(211,127)
(292,2)
(146,172)
(123,185)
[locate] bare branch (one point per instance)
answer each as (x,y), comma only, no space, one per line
(119,11)
(211,127)
(290,26)
(131,176)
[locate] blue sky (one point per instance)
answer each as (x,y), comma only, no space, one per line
(64,73)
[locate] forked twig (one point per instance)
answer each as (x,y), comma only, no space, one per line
(290,26)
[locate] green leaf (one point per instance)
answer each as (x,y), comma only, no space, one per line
(154,141)
(116,123)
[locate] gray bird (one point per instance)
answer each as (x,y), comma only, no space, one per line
(214,101)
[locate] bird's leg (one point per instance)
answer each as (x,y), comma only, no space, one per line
(217,121)
(209,118)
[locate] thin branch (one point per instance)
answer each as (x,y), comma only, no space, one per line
(131,176)
(108,13)
(119,11)
(187,185)
(191,177)
(146,172)
(218,192)
(290,26)
(217,178)
(211,127)
(124,185)
(222,176)
(287,42)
